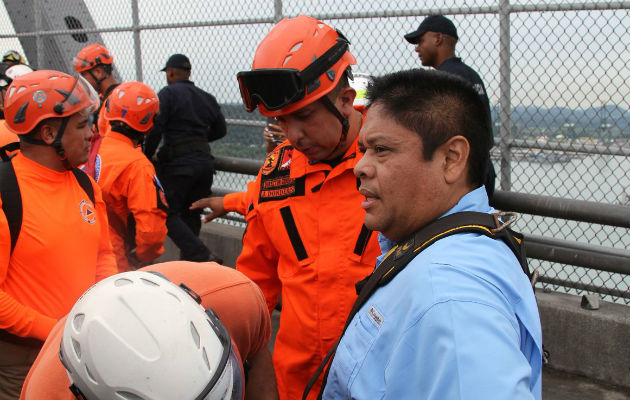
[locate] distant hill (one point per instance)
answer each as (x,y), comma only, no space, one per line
(247,141)
(590,119)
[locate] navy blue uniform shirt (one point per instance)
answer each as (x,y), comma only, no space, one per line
(186,112)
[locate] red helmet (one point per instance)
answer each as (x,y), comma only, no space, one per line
(299,61)
(43,94)
(133,103)
(91,56)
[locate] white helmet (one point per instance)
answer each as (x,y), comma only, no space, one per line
(13,72)
(136,335)
(359,83)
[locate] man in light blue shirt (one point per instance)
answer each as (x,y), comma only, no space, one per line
(460,321)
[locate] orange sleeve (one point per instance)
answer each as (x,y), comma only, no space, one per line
(259,259)
(106,261)
(15,317)
(47,378)
(240,201)
(143,203)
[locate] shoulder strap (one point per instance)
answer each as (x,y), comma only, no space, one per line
(11,200)
(85,183)
(402,254)
(8,148)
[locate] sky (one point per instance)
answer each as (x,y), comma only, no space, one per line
(573,59)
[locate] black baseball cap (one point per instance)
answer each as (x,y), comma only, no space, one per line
(433,23)
(179,61)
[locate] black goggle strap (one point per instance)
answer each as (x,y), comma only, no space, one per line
(325,61)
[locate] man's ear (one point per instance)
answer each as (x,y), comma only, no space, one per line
(455,153)
(48,132)
(345,100)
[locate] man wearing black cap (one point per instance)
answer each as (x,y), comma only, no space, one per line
(189,118)
(435,41)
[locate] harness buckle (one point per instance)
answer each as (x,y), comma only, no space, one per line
(511,217)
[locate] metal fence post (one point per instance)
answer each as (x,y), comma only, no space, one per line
(505,118)
(277,10)
(136,39)
(38,37)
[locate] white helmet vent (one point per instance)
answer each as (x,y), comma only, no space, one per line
(148,282)
(286,60)
(139,100)
(175,296)
(205,358)
(77,349)
(129,396)
(77,322)
(296,47)
(195,334)
(122,282)
(89,375)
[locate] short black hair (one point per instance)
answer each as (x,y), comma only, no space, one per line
(437,106)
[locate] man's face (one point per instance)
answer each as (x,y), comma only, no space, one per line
(88,77)
(402,190)
(314,131)
(76,138)
(427,49)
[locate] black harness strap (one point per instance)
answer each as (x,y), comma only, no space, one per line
(400,255)
(11,200)
(85,183)
(8,148)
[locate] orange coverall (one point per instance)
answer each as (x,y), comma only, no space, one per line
(305,238)
(63,248)
(131,192)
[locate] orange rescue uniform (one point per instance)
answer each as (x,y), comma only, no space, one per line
(63,248)
(7,137)
(305,238)
(131,192)
(237,301)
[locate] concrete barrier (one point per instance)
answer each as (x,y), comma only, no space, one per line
(591,343)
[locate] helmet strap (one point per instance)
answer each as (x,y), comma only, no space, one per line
(345,124)
(98,81)
(56,144)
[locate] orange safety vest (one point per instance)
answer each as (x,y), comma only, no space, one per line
(135,200)
(305,238)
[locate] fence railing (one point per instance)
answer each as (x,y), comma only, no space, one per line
(586,255)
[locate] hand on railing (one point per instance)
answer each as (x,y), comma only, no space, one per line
(215,204)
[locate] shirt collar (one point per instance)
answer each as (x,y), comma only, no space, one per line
(476,200)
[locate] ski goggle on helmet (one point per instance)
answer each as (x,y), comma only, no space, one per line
(137,335)
(299,61)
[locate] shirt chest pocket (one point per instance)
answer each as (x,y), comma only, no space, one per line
(353,350)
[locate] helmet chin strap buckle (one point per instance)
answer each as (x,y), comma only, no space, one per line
(345,123)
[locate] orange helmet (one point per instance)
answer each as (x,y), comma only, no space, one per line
(299,61)
(39,95)
(133,103)
(91,56)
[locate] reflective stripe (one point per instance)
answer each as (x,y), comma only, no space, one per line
(294,235)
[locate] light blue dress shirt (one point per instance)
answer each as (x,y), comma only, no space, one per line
(459,322)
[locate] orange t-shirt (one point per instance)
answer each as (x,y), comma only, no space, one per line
(7,136)
(63,248)
(130,188)
(238,302)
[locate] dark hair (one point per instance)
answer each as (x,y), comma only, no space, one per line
(106,67)
(437,106)
(123,128)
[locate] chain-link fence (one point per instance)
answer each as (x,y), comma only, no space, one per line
(556,73)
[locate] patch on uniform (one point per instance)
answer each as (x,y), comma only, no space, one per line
(86,209)
(375,316)
(97,167)
(270,162)
(159,193)
(276,182)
